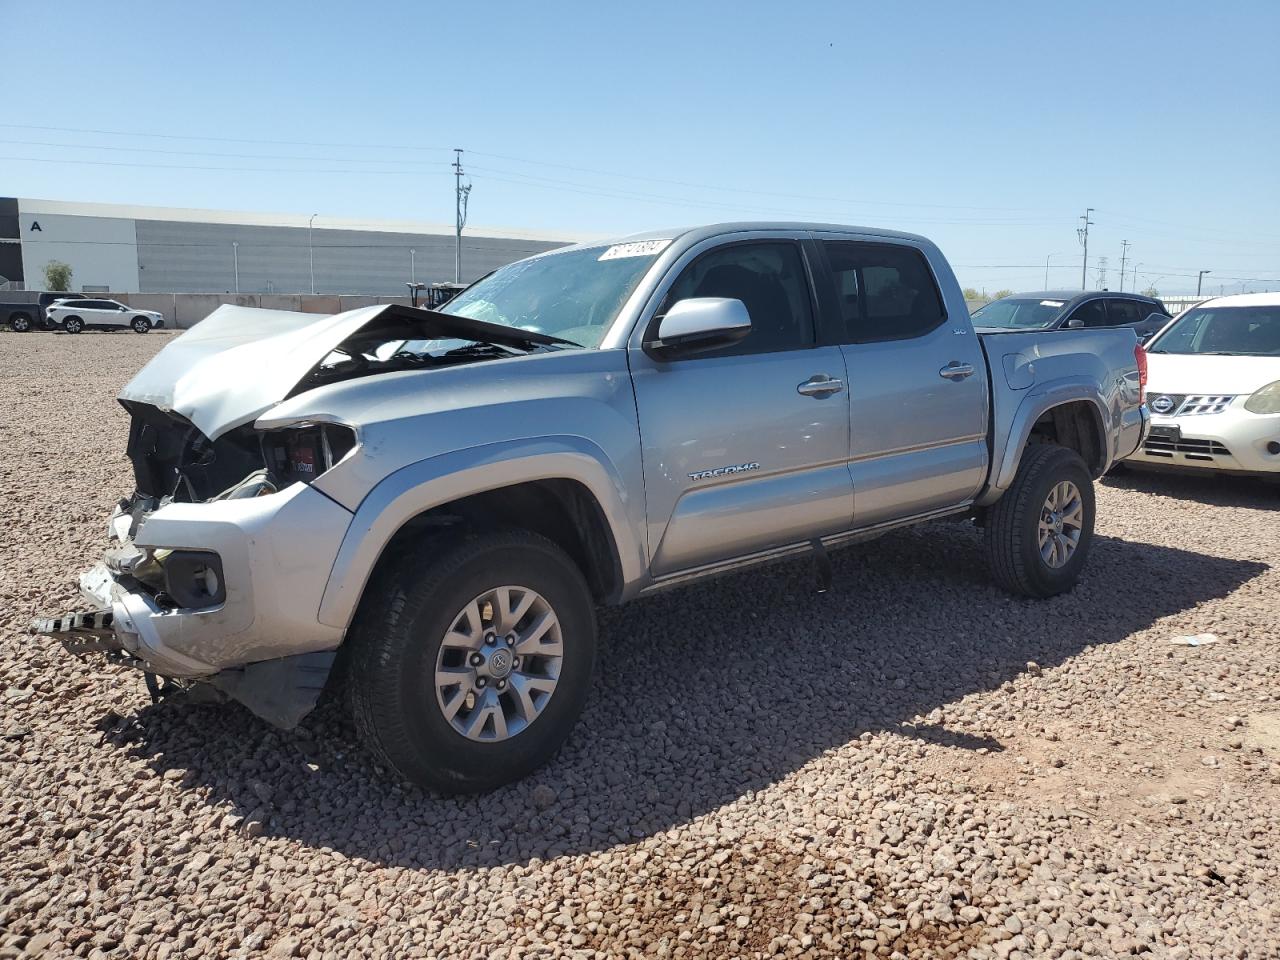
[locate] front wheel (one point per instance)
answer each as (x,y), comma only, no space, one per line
(73,325)
(1039,533)
(141,325)
(471,662)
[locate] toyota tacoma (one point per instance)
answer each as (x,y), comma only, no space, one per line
(425,507)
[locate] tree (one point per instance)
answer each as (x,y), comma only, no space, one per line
(1151,292)
(971,294)
(57,276)
(1001,294)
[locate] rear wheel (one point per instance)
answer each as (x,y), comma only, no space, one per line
(1039,533)
(73,325)
(19,323)
(141,325)
(470,662)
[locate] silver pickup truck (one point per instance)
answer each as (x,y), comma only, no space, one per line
(428,505)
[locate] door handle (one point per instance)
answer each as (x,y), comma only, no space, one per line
(955,371)
(820,385)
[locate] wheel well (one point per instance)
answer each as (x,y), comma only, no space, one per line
(1077,427)
(563,511)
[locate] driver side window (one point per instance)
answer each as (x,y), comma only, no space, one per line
(769,278)
(1091,314)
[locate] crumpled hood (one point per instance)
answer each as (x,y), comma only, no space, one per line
(239,362)
(1214,376)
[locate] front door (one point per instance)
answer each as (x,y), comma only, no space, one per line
(917,383)
(744,448)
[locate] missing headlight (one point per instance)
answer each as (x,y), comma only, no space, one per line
(193,579)
(305,451)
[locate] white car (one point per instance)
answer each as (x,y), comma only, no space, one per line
(1214,388)
(75,315)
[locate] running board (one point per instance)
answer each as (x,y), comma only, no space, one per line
(787,551)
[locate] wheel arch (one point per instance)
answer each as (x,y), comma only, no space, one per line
(570,496)
(1073,417)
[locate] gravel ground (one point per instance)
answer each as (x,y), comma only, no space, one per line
(912,765)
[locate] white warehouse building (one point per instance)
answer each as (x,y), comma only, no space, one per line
(131,249)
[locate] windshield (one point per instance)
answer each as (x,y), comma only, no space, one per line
(573,295)
(1017,313)
(1232,331)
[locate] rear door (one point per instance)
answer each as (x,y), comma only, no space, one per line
(1152,318)
(744,448)
(917,381)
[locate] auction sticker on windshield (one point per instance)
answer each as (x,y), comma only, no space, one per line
(1052,303)
(637,248)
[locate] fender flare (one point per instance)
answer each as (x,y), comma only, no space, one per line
(420,486)
(1034,406)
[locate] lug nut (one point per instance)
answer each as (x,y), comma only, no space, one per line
(515,663)
(502,684)
(481,681)
(477,659)
(511,639)
(489,639)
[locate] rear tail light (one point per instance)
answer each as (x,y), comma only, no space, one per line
(1140,355)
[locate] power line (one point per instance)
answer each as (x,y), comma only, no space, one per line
(175,166)
(178,136)
(206,153)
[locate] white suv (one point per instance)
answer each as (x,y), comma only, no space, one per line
(76,315)
(1214,389)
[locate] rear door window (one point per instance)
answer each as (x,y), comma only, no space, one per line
(884,291)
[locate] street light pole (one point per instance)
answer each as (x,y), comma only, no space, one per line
(311,251)
(235,256)
(1046,268)
(413,266)
(1200,280)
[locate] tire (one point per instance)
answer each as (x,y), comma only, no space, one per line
(73,324)
(141,325)
(19,323)
(1014,549)
(398,656)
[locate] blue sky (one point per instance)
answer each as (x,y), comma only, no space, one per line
(988,127)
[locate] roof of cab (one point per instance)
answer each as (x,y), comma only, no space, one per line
(696,234)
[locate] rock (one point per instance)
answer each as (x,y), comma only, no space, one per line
(544,796)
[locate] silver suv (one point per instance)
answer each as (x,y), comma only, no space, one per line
(426,506)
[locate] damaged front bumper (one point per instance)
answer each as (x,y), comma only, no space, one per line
(260,640)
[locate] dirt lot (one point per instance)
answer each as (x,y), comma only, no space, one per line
(913,765)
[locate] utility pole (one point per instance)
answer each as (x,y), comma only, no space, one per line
(1124,250)
(413,265)
(311,252)
(1083,233)
(461,194)
(1200,280)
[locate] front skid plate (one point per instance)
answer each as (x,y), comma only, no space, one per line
(89,632)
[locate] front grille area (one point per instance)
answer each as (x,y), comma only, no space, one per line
(1194,405)
(1182,405)
(1188,447)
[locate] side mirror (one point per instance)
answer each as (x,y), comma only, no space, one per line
(1075,323)
(698,324)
